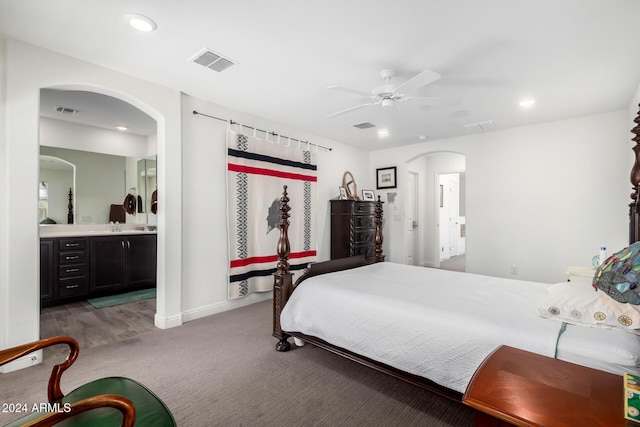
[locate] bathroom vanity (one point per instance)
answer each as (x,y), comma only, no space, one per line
(87,263)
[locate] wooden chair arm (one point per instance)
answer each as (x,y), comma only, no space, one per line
(54,392)
(122,404)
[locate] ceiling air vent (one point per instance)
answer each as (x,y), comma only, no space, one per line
(211,60)
(481,126)
(66,110)
(364,125)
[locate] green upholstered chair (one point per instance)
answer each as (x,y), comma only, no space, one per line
(113,401)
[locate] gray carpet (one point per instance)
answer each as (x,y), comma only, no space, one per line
(223,371)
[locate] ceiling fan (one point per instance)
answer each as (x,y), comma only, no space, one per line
(388,94)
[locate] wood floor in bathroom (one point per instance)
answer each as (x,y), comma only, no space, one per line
(91,326)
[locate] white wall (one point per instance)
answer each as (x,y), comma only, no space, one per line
(62,134)
(205,251)
(540,197)
(26,69)
(192,249)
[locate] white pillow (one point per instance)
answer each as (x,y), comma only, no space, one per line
(580,304)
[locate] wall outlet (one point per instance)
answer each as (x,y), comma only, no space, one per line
(513,269)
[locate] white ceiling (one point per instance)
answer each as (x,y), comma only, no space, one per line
(575,57)
(95,109)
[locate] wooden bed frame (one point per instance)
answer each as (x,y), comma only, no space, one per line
(634,208)
(283,280)
(283,287)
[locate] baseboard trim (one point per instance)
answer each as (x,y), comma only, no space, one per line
(163,322)
(27,361)
(220,307)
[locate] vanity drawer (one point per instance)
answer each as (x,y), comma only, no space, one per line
(71,257)
(71,244)
(72,287)
(72,270)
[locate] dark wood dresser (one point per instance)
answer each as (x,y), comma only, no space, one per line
(353,228)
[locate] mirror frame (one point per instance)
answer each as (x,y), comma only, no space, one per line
(350,186)
(71,206)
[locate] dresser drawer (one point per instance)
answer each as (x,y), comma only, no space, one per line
(363,221)
(366,250)
(71,257)
(363,237)
(71,244)
(72,270)
(365,208)
(72,287)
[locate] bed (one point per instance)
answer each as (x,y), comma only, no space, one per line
(433,328)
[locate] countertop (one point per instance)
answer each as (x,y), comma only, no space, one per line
(64,230)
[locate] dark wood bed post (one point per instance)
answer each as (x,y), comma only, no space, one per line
(377,238)
(634,220)
(282,278)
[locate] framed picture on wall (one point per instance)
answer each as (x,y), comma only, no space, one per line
(386,178)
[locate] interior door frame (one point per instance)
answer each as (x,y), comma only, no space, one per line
(415,200)
(436,210)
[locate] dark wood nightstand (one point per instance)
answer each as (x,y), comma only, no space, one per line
(516,387)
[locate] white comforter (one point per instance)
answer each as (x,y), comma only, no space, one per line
(433,323)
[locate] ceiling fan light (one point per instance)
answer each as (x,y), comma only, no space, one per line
(386,103)
(527,102)
(140,22)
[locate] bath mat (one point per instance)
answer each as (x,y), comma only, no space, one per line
(111,300)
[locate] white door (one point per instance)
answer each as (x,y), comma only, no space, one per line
(443,216)
(449,215)
(454,213)
(412,220)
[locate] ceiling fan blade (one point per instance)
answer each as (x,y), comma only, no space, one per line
(419,80)
(351,91)
(357,107)
(428,100)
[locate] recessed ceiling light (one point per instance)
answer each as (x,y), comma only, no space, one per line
(140,22)
(122,128)
(383,132)
(422,137)
(527,102)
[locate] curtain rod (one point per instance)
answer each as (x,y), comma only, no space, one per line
(260,130)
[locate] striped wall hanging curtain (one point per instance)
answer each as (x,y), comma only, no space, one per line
(256,171)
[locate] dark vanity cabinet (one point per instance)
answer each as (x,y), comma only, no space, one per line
(47,269)
(121,262)
(141,261)
(353,228)
(72,268)
(84,267)
(108,263)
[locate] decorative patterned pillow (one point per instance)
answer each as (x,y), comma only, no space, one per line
(580,304)
(618,276)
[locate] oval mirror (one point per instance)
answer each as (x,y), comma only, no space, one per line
(349,184)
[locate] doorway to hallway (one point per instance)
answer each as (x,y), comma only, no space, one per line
(451,215)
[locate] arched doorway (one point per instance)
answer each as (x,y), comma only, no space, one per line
(91,138)
(424,204)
